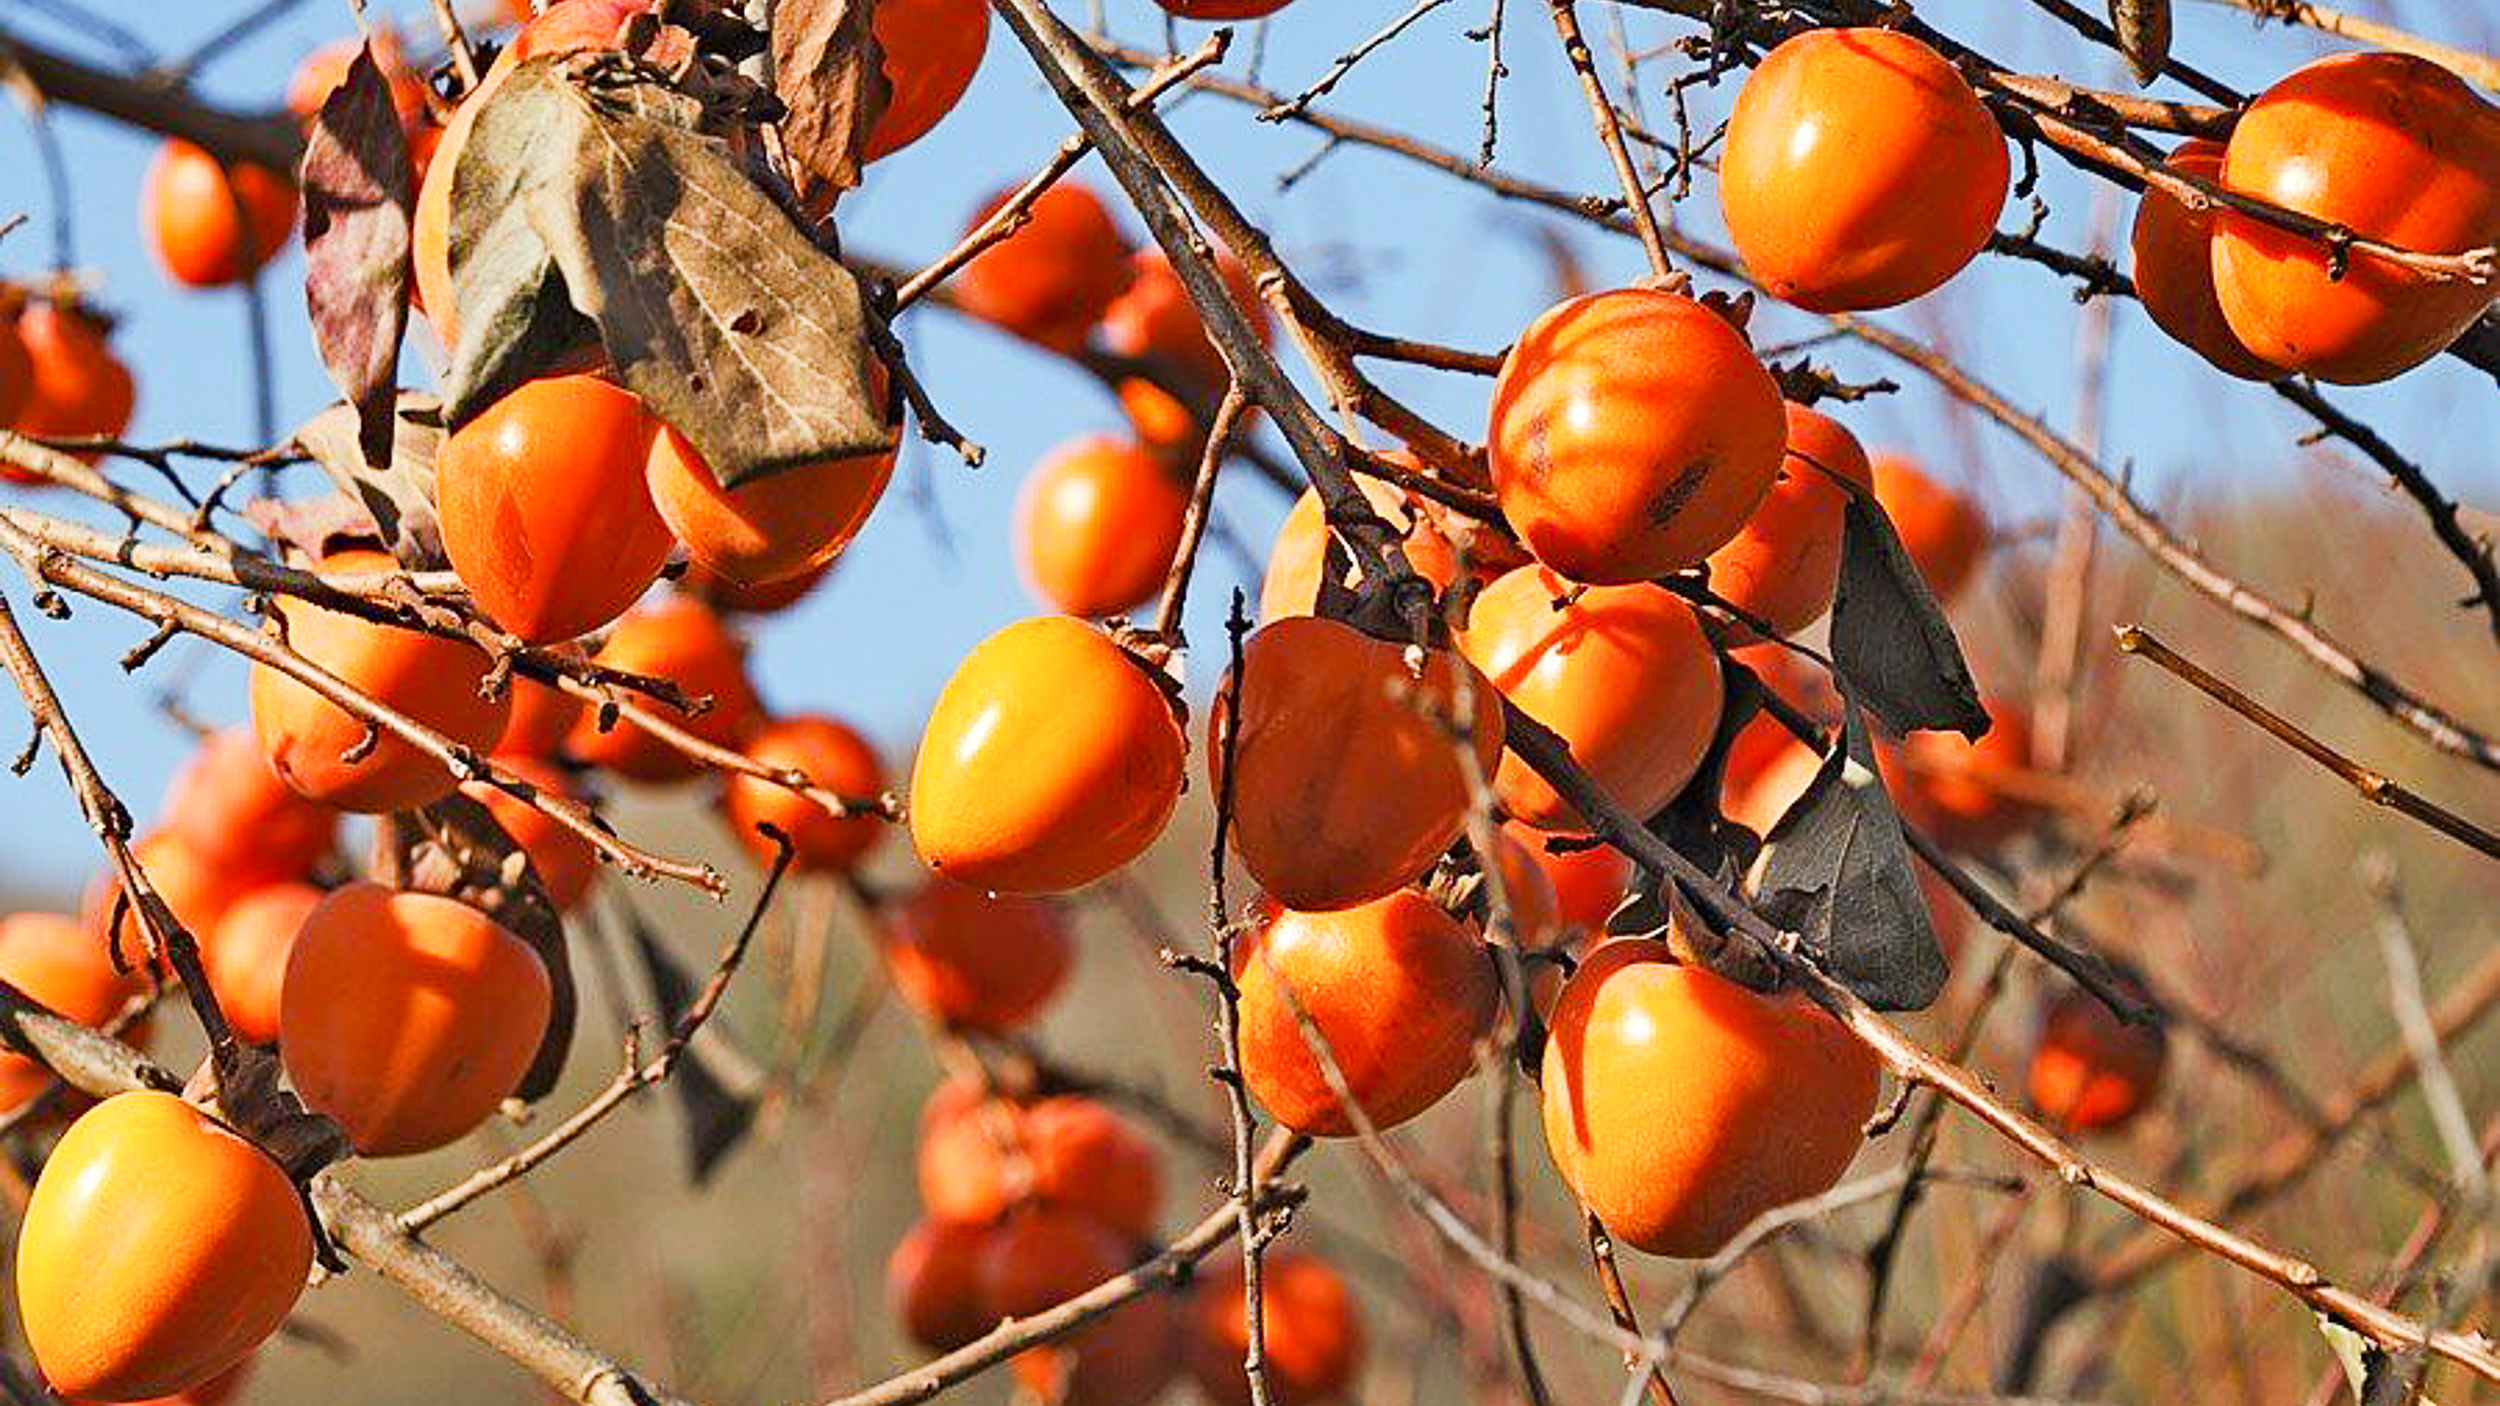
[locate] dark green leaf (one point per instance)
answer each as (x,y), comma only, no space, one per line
(1890,641)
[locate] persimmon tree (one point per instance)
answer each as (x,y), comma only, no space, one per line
(1616,754)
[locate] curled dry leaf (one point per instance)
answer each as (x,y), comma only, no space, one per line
(830,74)
(2143,28)
(715,1117)
(1891,643)
(359,188)
(394,494)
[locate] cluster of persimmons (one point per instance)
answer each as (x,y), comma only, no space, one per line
(1632,435)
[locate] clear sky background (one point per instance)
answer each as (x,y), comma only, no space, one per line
(1404,250)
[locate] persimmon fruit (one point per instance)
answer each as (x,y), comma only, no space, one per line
(1097,525)
(1945,532)
(1680,1105)
(786,524)
(239,816)
(1041,1257)
(979,1157)
(59,961)
(1633,432)
(246,955)
(1399,991)
(158,1250)
(1961,790)
(1589,882)
(934,1279)
(1299,557)
(2090,1071)
(408,1016)
(1051,759)
(542,717)
(832,756)
(325,69)
(1784,563)
(212,224)
(76,387)
(977,960)
(565,861)
(1311,1333)
(195,886)
(1155,319)
(932,49)
(683,641)
(1052,280)
(2173,264)
(1859,170)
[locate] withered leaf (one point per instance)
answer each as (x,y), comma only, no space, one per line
(1837,869)
(829,73)
(716,1118)
(1890,640)
(711,304)
(396,490)
(359,188)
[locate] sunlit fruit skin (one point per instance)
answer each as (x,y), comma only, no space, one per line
(684,642)
(1155,318)
(1300,554)
(1222,9)
(1041,1257)
(833,757)
(1097,525)
(1859,170)
(933,1278)
(1944,531)
(212,225)
(1052,280)
(977,960)
(246,955)
(1956,789)
(1784,563)
(429,678)
(932,51)
(564,860)
(1400,991)
(196,887)
(77,386)
(1589,884)
(1050,760)
(767,530)
(1345,782)
(239,816)
(2392,147)
(2092,1072)
(1622,673)
(980,1156)
(158,1250)
(58,961)
(544,511)
(1680,1105)
(408,1017)
(1633,433)
(1311,1334)
(2174,269)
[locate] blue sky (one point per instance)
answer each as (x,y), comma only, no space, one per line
(1404,249)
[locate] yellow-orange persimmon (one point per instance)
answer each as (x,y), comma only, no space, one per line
(980,1156)
(1945,531)
(1345,781)
(2173,248)
(1859,170)
(680,640)
(786,524)
(544,513)
(934,1280)
(212,224)
(1589,881)
(831,756)
(408,1016)
(246,955)
(1041,1257)
(158,1250)
(1051,759)
(1300,555)
(75,385)
(2386,145)
(1680,1105)
(330,754)
(1633,432)
(932,49)
(1097,524)
(565,861)
(1156,319)
(229,808)
(1052,280)
(1310,1338)
(1399,991)
(59,962)
(1966,793)
(1783,564)
(977,960)
(196,887)
(543,715)
(1622,673)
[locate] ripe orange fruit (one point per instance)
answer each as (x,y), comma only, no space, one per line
(932,49)
(1956,789)
(1097,525)
(76,386)
(1310,1332)
(210,224)
(158,1250)
(2174,270)
(1294,564)
(1680,1105)
(979,1157)
(214,1392)
(429,678)
(1859,170)
(542,717)
(727,596)
(1052,280)
(59,962)
(17,368)
(1399,991)
(1945,531)
(1589,884)
(981,961)
(1344,789)
(408,1016)
(684,642)
(1535,909)
(325,68)
(195,887)
(935,1281)
(246,954)
(2090,1071)
(2392,147)
(833,757)
(566,862)
(1785,561)
(543,507)
(1222,9)
(1156,319)
(1758,802)
(770,529)
(1042,1257)
(1051,759)
(969,1164)
(228,807)
(1622,673)
(1633,433)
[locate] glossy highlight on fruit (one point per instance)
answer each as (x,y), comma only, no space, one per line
(831,756)
(209,224)
(976,960)
(1784,563)
(1051,759)
(1097,525)
(1633,433)
(2174,270)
